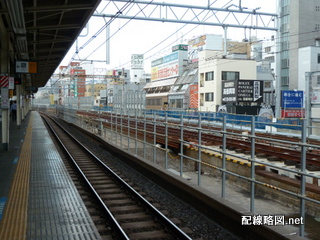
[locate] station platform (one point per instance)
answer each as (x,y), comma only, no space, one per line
(38,199)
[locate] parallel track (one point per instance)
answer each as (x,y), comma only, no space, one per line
(130,215)
(285,148)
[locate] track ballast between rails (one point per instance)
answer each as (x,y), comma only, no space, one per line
(130,214)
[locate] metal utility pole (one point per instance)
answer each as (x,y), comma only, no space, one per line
(308,103)
(122,94)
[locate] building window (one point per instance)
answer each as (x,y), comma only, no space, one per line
(284,63)
(317,8)
(201,79)
(270,59)
(285,81)
(230,75)
(209,76)
(318,81)
(318,57)
(267,49)
(209,97)
(176,103)
(201,99)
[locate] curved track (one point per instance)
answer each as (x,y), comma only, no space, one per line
(130,215)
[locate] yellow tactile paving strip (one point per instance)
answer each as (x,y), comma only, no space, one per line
(14,222)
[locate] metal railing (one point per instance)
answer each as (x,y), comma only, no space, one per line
(139,134)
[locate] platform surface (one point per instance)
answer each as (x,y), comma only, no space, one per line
(51,207)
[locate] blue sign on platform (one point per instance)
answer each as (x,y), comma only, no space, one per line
(2,205)
(292,99)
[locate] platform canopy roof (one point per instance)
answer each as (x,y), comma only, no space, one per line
(43,31)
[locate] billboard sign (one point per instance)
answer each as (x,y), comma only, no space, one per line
(165,67)
(292,113)
(204,42)
(249,91)
(137,61)
(242,91)
(291,99)
(194,96)
(181,47)
(229,91)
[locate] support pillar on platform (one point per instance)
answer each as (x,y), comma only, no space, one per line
(18,94)
(5,129)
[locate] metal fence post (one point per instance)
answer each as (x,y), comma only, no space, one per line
(144,135)
(154,138)
(136,134)
(116,130)
(166,139)
(252,172)
(181,145)
(303,171)
(121,123)
(224,149)
(199,149)
(128,132)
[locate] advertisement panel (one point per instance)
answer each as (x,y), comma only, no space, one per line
(181,47)
(229,91)
(194,101)
(204,42)
(242,91)
(5,103)
(315,96)
(137,61)
(291,99)
(292,113)
(250,91)
(165,67)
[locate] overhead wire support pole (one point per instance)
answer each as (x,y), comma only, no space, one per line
(176,13)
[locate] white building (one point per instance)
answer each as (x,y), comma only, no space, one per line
(213,69)
(309,59)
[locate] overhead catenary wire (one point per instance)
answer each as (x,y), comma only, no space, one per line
(148,57)
(101,29)
(175,32)
(117,31)
(158,43)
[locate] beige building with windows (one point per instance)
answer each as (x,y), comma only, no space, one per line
(213,69)
(94,90)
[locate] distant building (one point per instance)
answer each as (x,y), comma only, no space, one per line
(94,90)
(213,71)
(164,74)
(184,93)
(125,89)
(299,28)
(264,53)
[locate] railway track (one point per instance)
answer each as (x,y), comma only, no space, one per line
(130,215)
(274,147)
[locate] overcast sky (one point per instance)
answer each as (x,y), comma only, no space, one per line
(145,37)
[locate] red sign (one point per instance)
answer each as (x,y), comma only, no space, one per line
(293,113)
(4,81)
(193,96)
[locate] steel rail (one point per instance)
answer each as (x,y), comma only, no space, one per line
(162,218)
